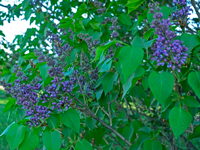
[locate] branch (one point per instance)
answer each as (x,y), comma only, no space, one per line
(110,117)
(91,114)
(4,6)
(196,9)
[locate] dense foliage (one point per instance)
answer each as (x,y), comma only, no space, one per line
(120,74)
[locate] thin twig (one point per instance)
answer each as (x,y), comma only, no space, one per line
(91,114)
(110,117)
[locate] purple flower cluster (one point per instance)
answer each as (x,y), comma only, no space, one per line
(39,113)
(106,20)
(183,12)
(114,27)
(65,103)
(99,6)
(110,53)
(167,50)
(85,66)
(57,42)
(92,44)
(30,95)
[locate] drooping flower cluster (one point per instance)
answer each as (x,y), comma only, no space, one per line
(167,50)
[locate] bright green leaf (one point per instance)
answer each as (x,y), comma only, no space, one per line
(52,140)
(179,120)
(161,85)
(83,145)
(30,142)
(15,135)
(130,58)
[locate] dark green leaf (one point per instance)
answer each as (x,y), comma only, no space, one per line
(52,121)
(71,119)
(194,82)
(125,19)
(152,145)
(191,101)
(108,80)
(195,134)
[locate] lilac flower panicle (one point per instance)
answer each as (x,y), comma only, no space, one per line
(166,49)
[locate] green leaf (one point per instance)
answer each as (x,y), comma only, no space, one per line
(152,145)
(6,130)
(25,3)
(53,2)
(161,85)
(190,41)
(83,145)
(138,91)
(74,53)
(97,35)
(28,14)
(179,120)
(9,104)
(15,135)
(126,86)
(108,80)
(101,49)
(44,71)
(66,131)
(191,101)
(52,140)
(148,34)
(125,19)
(30,142)
(29,56)
(71,119)
(194,82)
(133,4)
(195,134)
(52,121)
(128,132)
(142,43)
(90,122)
(97,134)
(1,33)
(130,58)
(166,11)
(106,65)
(142,16)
